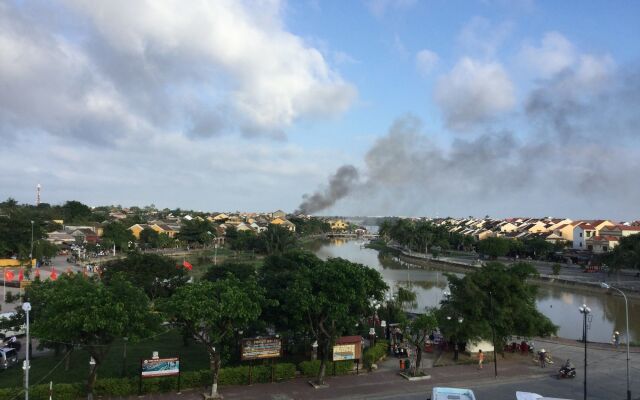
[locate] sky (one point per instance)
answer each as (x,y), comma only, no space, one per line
(373,107)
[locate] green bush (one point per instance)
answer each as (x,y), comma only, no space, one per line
(556,268)
(62,391)
(311,368)
(115,387)
(375,353)
(123,387)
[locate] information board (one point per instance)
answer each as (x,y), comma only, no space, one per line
(160,367)
(259,348)
(342,352)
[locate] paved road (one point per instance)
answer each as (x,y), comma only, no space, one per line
(606,381)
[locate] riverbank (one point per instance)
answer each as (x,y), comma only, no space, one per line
(587,282)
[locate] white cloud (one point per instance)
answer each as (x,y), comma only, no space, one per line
(554,54)
(473,92)
(151,64)
(426,60)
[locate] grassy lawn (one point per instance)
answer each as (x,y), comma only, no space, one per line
(192,357)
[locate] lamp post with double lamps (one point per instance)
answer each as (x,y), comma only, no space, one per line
(584,310)
(626,309)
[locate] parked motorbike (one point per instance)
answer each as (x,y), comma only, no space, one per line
(567,373)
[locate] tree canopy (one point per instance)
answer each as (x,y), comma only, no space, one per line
(157,275)
(626,254)
(119,234)
(495,296)
(331,296)
(86,312)
(212,311)
(494,247)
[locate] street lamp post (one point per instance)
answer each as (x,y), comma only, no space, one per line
(455,338)
(584,310)
(626,309)
(31,252)
(26,307)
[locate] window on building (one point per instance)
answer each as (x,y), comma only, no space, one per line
(580,234)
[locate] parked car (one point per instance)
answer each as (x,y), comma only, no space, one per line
(445,393)
(8,357)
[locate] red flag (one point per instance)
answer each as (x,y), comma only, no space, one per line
(20,275)
(37,273)
(187,265)
(8,275)
(54,274)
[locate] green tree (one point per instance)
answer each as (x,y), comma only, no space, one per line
(118,234)
(212,311)
(278,239)
(74,212)
(87,313)
(417,332)
(556,269)
(496,297)
(157,275)
(242,271)
(626,254)
(494,247)
(149,238)
(197,231)
(331,296)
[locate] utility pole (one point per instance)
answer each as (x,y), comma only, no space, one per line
(584,310)
(493,332)
(26,307)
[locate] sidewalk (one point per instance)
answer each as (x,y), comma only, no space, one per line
(383,381)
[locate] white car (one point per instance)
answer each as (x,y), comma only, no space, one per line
(5,333)
(446,393)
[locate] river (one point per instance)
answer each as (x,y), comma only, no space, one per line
(559,304)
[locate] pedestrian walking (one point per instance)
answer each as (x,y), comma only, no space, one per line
(455,351)
(616,339)
(480,358)
(543,358)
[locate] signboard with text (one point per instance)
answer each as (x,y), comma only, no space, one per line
(347,348)
(260,348)
(160,367)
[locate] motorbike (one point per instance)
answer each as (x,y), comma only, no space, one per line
(567,373)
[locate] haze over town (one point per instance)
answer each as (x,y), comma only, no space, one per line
(508,109)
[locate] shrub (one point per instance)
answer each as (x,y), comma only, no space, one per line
(115,387)
(62,391)
(556,269)
(311,368)
(375,353)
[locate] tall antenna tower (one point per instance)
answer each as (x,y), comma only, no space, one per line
(38,195)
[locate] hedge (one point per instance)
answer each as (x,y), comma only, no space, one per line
(375,353)
(311,368)
(122,387)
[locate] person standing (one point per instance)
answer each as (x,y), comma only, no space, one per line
(616,339)
(480,358)
(455,351)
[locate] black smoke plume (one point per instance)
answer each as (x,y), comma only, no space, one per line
(340,184)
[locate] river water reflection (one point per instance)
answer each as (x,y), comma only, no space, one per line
(559,304)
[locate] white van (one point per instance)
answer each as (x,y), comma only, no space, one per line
(445,393)
(7,333)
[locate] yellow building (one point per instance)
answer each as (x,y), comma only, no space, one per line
(10,262)
(166,229)
(136,229)
(338,225)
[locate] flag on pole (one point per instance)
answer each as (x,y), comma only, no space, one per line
(20,275)
(54,274)
(187,265)
(38,273)
(8,275)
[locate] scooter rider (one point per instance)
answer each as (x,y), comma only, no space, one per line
(568,365)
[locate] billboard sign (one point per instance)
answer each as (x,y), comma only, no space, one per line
(342,352)
(260,348)
(160,367)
